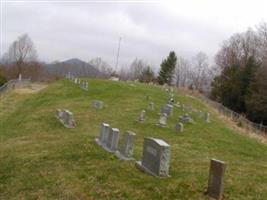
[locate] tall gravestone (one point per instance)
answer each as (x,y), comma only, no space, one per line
(125,151)
(103,135)
(156,157)
(112,140)
(216,176)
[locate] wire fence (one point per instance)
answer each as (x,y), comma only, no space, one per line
(238,118)
(13,84)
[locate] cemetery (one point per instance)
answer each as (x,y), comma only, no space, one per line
(148,143)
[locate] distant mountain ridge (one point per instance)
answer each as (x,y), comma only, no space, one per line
(74,66)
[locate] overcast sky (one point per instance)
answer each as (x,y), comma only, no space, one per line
(149,29)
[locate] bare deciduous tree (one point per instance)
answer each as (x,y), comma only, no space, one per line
(21,52)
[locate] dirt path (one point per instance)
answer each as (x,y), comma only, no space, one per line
(34,88)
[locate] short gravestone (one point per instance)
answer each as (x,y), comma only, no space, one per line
(103,135)
(186,119)
(125,151)
(97,104)
(156,157)
(112,140)
(162,120)
(216,176)
(151,106)
(66,118)
(141,117)
(76,80)
(207,117)
(179,127)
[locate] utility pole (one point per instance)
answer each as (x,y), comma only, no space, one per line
(118,54)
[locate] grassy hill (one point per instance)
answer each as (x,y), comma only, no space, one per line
(41,159)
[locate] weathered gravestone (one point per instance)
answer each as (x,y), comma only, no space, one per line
(103,135)
(76,80)
(126,149)
(207,117)
(97,104)
(141,117)
(156,157)
(66,118)
(112,140)
(186,119)
(216,176)
(179,127)
(162,120)
(151,106)
(168,109)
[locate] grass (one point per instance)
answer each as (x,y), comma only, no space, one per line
(41,159)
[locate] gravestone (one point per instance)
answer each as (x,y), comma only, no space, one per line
(112,140)
(66,118)
(156,157)
(86,86)
(162,120)
(141,117)
(199,114)
(126,149)
(207,117)
(20,77)
(179,127)
(186,118)
(216,176)
(168,109)
(76,80)
(103,135)
(151,106)
(98,104)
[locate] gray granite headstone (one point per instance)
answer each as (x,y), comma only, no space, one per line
(113,140)
(103,135)
(179,127)
(186,119)
(125,151)
(168,109)
(216,176)
(156,157)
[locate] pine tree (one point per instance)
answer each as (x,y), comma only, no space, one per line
(167,68)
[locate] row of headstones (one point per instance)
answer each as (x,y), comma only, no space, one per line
(155,157)
(167,111)
(83,84)
(66,118)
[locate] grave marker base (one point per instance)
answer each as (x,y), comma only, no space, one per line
(139,165)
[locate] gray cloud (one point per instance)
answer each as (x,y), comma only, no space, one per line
(149,30)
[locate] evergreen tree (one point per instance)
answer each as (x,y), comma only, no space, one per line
(167,68)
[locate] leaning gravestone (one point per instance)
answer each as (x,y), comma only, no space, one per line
(103,135)
(179,127)
(66,118)
(156,157)
(126,150)
(216,176)
(112,140)
(97,104)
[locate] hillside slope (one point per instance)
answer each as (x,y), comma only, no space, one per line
(41,159)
